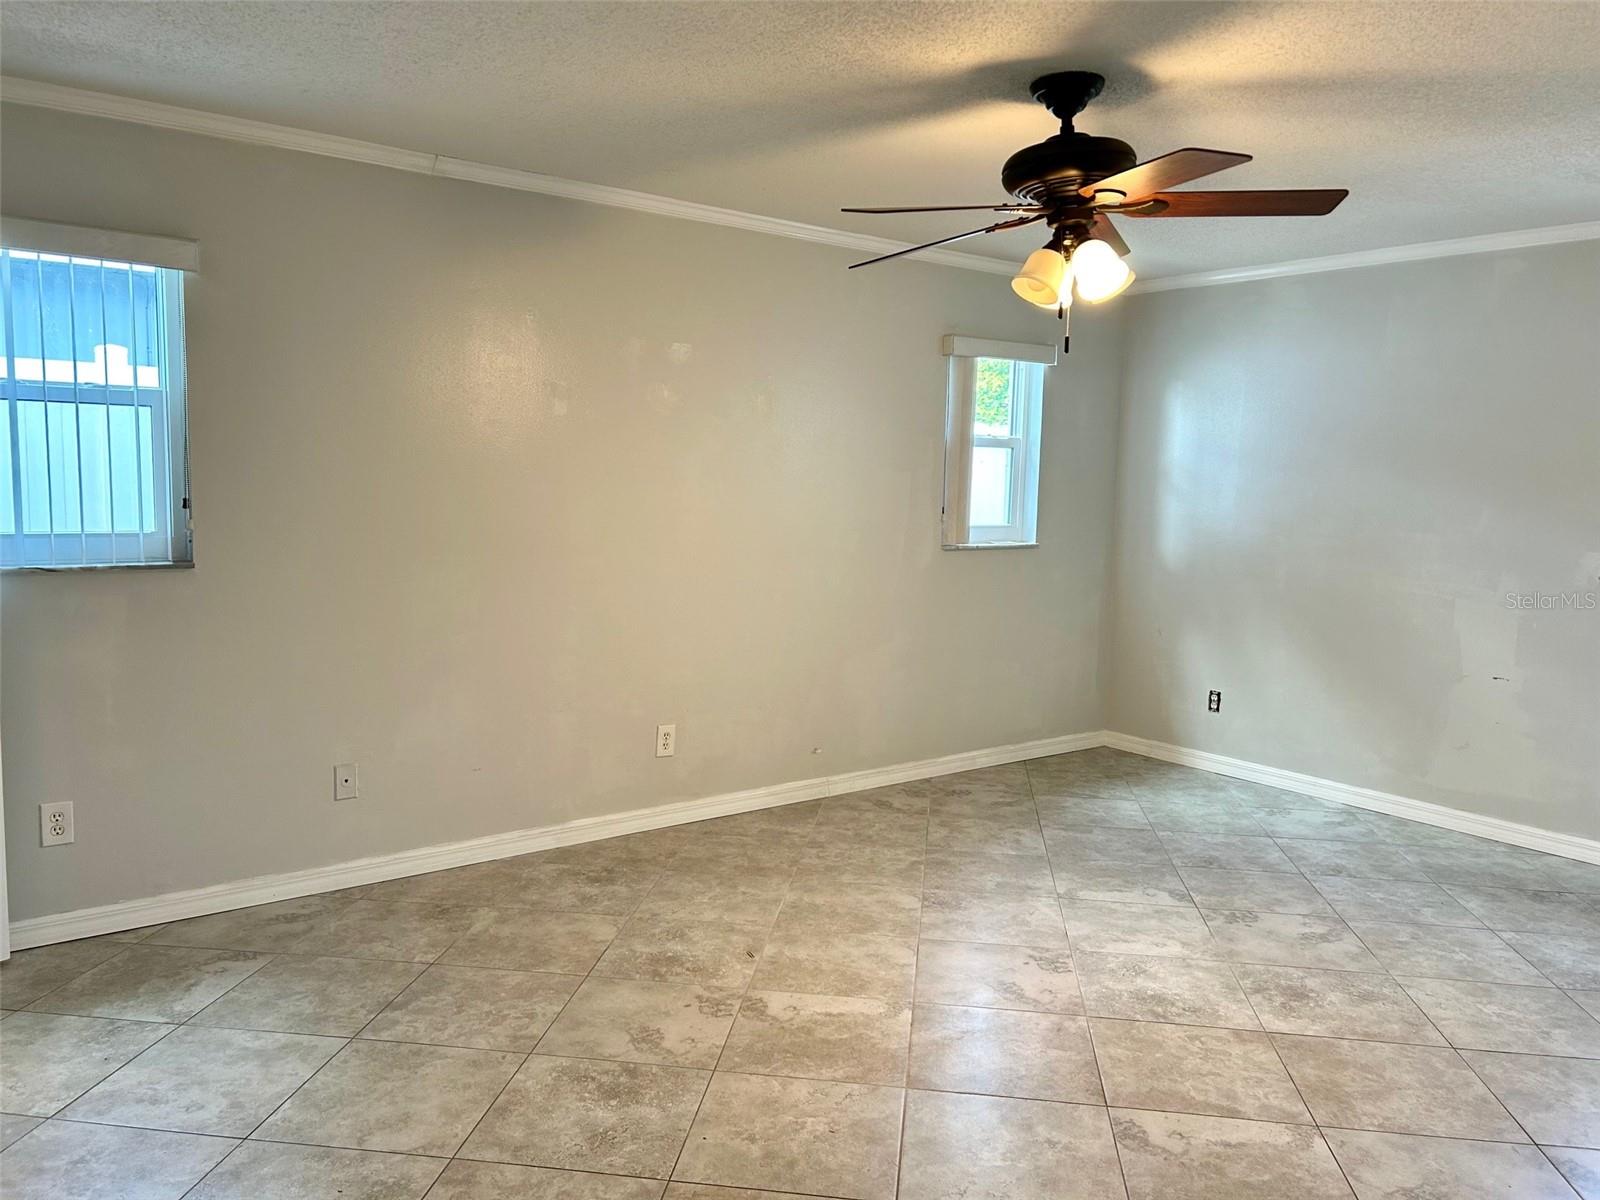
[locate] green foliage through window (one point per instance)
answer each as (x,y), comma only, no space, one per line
(991,410)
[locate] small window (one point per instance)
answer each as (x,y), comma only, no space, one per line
(93,456)
(995,411)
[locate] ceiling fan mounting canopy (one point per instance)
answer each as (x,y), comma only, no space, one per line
(1051,172)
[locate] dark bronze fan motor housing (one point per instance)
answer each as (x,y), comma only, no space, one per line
(1051,172)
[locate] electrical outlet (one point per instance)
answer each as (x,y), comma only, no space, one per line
(666,741)
(55,824)
(1214,702)
(346,783)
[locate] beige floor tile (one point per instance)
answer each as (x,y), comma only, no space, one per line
(1103,927)
(1567,960)
(1588,1000)
(585,1115)
(219,1081)
(844,1038)
(1393,1088)
(861,859)
(402,932)
(266,927)
(1557,1100)
(463,1180)
(1290,941)
(987,874)
(1076,812)
(48,1061)
(13,1126)
(1334,1004)
(1127,883)
(728,855)
(1200,816)
(477,1007)
(738,899)
(1173,1156)
(844,964)
(295,994)
(1183,991)
(1445,953)
(29,974)
(1070,847)
(152,983)
(997,1148)
(707,1191)
(825,909)
(278,1171)
(1011,920)
(63,1159)
(1529,911)
(1412,901)
(795,1135)
(1581,1168)
(526,940)
(1359,860)
(1225,852)
(637,1020)
(1186,1068)
(1501,1016)
(1326,824)
(392,1096)
(1003,1052)
(569,887)
(702,952)
(1394,1166)
(979,975)
(1254,891)
(984,835)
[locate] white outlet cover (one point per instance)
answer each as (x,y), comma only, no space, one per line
(56,824)
(346,781)
(666,741)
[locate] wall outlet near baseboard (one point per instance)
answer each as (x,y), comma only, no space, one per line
(666,741)
(1214,701)
(346,782)
(55,824)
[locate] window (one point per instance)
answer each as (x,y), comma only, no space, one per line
(93,454)
(992,429)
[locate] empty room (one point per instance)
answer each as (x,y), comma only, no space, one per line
(757,599)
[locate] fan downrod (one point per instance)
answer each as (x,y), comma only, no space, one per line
(1066,93)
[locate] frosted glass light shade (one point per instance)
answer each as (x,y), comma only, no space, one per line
(1042,278)
(1099,271)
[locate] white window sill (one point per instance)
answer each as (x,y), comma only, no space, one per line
(70,568)
(993,546)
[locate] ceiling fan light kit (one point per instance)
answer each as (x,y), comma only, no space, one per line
(1075,181)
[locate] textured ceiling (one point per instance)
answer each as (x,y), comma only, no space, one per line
(1444,120)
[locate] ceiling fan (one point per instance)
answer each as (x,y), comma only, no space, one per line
(1075,182)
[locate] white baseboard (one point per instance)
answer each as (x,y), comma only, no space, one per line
(197,902)
(1566,845)
(175,906)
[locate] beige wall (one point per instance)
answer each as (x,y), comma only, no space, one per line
(488,484)
(1327,487)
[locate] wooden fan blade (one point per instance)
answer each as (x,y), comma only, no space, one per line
(956,237)
(1168,171)
(1016,208)
(1315,202)
(1106,232)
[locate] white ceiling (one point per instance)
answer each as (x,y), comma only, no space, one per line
(1444,120)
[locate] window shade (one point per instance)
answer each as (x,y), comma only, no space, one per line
(47,237)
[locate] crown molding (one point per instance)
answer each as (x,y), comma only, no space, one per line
(1487,243)
(37,94)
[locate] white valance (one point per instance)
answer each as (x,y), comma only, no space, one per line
(956,346)
(47,237)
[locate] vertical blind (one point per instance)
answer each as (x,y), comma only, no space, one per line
(93,453)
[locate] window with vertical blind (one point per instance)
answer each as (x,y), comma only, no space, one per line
(94,452)
(993,422)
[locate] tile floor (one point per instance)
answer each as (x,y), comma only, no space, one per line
(1095,976)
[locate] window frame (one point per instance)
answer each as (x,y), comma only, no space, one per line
(1028,363)
(170,542)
